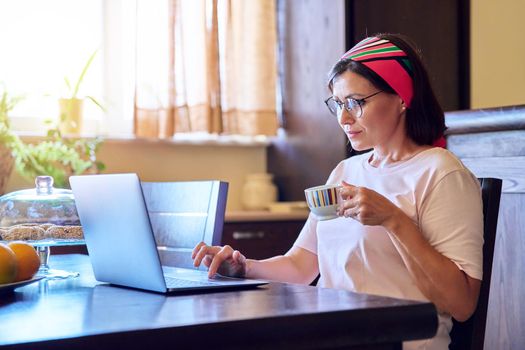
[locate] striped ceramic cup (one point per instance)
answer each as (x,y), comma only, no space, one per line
(323,201)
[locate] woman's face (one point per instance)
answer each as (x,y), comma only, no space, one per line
(381,118)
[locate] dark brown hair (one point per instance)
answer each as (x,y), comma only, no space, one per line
(425,120)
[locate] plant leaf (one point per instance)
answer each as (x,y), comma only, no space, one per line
(68,84)
(96,102)
(84,70)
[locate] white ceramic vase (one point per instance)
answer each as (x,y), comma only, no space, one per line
(258,191)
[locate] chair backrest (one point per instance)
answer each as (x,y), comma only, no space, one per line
(470,335)
(182,214)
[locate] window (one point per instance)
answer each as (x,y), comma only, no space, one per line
(45,41)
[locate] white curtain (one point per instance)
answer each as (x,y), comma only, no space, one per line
(206,66)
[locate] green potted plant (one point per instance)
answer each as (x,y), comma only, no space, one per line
(55,156)
(71,106)
(7,138)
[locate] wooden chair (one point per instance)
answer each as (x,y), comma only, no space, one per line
(182,214)
(470,335)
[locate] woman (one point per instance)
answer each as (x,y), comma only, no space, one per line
(410,223)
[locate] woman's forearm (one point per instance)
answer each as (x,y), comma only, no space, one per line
(438,278)
(294,267)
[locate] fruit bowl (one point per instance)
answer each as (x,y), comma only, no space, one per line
(10,287)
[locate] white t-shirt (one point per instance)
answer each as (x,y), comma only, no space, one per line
(437,192)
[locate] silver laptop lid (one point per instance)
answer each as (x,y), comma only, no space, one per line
(117,230)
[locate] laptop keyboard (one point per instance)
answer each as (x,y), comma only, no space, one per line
(172,282)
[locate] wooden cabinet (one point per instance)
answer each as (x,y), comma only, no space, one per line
(262,235)
(69,249)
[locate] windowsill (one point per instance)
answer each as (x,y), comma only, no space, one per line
(180,139)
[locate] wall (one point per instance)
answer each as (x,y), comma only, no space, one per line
(497,53)
(167,161)
(438,28)
(312,40)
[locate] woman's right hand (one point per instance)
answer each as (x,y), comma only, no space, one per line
(223,260)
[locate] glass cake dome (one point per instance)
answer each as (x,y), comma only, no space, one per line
(43,216)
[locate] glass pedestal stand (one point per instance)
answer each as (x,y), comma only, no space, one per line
(44,252)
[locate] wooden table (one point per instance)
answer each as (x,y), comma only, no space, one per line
(81,313)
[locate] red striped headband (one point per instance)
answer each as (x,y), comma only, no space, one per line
(388,61)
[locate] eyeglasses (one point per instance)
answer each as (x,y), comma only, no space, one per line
(352,105)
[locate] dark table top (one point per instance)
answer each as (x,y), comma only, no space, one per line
(83,313)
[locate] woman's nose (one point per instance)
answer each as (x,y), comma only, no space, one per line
(346,117)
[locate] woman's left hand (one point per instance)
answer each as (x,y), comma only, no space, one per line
(366,206)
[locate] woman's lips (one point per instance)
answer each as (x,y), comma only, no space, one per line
(353,133)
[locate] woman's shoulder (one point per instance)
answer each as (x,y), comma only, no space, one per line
(438,163)
(440,159)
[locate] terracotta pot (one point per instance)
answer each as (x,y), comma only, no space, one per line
(6,166)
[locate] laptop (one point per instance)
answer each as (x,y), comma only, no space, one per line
(121,242)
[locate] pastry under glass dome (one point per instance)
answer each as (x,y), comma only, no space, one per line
(43,216)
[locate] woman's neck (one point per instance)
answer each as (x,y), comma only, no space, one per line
(383,157)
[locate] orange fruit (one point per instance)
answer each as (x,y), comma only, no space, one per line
(27,259)
(8,264)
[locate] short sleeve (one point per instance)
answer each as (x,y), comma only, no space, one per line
(451,219)
(307,238)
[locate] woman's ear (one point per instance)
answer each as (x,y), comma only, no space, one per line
(403,106)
